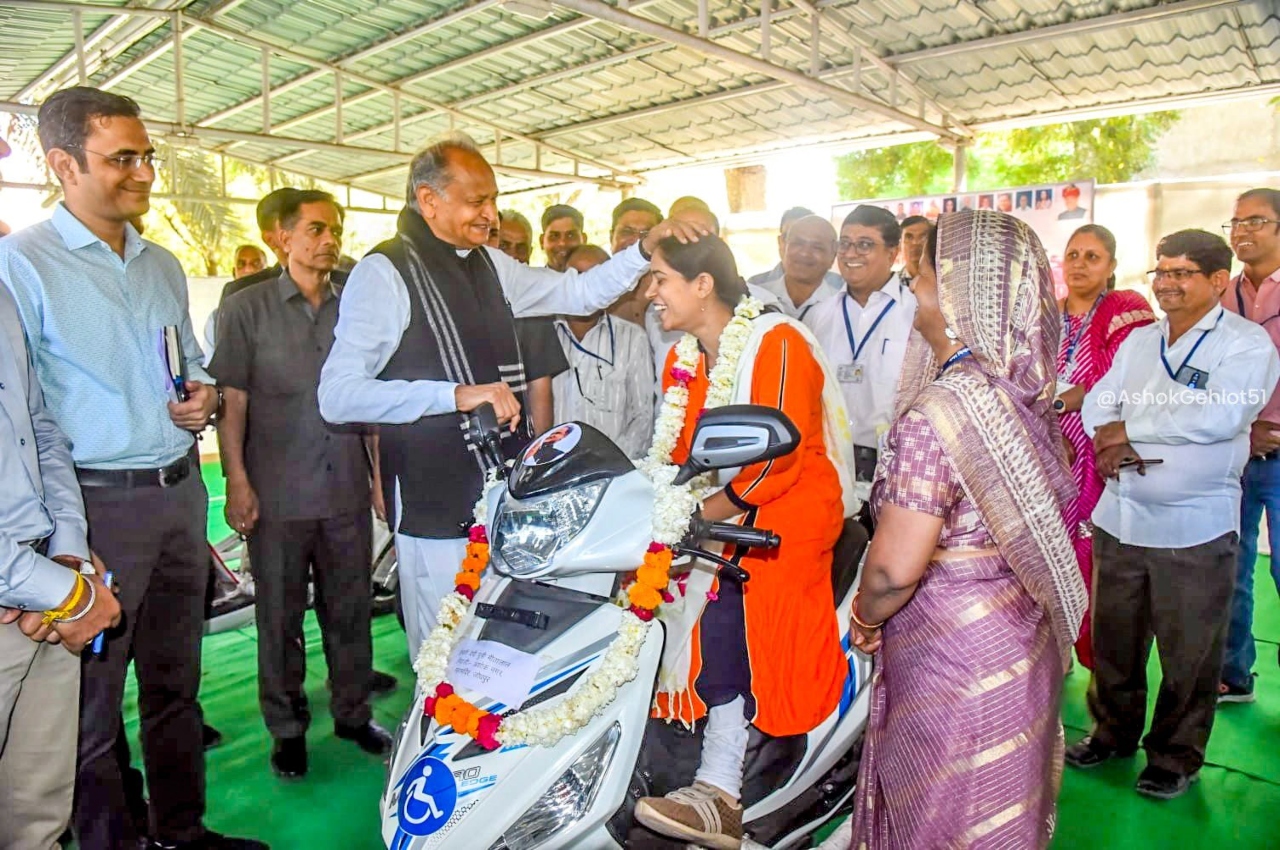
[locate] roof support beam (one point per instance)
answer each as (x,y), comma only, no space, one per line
(845,32)
(691,103)
(445,20)
(1080,27)
(327,67)
(531,82)
(605,12)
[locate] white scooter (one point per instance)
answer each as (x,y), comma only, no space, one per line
(561,532)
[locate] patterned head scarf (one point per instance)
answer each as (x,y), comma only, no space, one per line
(996,423)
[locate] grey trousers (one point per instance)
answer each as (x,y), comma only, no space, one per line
(336,553)
(39,708)
(1182,599)
(154,540)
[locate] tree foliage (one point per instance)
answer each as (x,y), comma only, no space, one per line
(1109,150)
(206,226)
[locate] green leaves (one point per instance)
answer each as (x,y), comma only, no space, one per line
(1110,150)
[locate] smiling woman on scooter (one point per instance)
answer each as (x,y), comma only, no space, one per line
(768,653)
(970,590)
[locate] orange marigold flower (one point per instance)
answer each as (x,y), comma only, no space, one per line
(444,709)
(655,577)
(661,559)
(471,580)
(478,550)
(644,597)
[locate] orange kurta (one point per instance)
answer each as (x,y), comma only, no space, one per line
(793,641)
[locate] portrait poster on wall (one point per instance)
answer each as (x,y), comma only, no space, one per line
(1054,211)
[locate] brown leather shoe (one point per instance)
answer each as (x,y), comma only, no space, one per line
(699,814)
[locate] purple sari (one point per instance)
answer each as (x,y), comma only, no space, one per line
(964,744)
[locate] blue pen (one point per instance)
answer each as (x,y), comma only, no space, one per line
(96,649)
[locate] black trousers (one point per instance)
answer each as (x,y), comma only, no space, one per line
(336,553)
(154,541)
(1182,599)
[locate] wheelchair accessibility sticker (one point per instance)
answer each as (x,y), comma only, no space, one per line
(429,798)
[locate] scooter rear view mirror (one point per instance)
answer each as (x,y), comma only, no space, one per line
(738,435)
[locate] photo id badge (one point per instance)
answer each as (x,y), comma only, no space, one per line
(850,373)
(1190,376)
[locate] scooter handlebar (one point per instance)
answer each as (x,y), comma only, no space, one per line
(741,535)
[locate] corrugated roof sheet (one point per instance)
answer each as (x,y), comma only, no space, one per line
(623,100)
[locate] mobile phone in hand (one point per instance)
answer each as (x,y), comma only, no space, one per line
(1129,464)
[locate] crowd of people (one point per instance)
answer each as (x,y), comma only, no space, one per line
(1046,479)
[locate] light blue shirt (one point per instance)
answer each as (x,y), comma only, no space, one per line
(375,314)
(93,324)
(39,496)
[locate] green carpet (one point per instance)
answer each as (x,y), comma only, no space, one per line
(336,806)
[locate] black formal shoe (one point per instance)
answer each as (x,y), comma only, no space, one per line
(1163,784)
(212,737)
(381,683)
(370,737)
(213,841)
(289,757)
(1088,752)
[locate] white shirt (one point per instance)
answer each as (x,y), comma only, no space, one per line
(832,285)
(375,314)
(661,341)
(609,383)
(880,330)
(1202,435)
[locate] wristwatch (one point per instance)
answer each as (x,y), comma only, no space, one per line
(1059,405)
(217,408)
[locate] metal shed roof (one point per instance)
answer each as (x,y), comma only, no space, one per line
(589,90)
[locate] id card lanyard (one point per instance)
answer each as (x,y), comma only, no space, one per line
(1244,311)
(600,357)
(1173,374)
(854,346)
(1073,339)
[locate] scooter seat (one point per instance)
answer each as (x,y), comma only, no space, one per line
(848,554)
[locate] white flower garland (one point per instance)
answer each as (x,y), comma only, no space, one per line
(673,508)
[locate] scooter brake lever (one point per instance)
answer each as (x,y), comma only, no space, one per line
(734,571)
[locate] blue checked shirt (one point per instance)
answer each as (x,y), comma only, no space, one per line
(93,323)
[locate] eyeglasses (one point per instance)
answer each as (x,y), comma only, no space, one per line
(861,246)
(1248,225)
(632,233)
(126,161)
(1177,275)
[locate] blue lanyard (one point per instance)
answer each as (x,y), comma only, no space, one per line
(1192,353)
(1244,312)
(848,326)
(1074,339)
(612,342)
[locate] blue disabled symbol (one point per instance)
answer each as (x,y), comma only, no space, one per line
(429,798)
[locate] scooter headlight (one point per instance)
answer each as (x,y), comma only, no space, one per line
(526,534)
(565,802)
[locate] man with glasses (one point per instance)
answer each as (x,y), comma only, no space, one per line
(808,250)
(864,330)
(1170,424)
(95,298)
(1254,231)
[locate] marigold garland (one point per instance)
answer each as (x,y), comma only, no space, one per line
(673,509)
